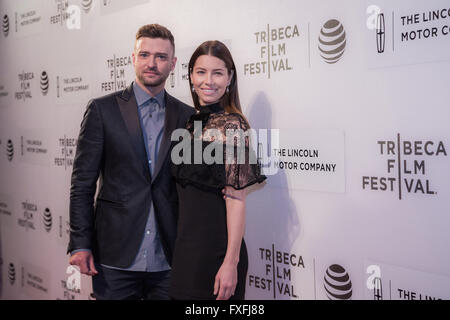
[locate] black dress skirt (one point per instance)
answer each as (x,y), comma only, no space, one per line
(202,236)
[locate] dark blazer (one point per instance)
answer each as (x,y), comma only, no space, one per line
(111,146)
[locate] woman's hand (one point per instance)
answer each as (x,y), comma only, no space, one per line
(225,281)
(226,278)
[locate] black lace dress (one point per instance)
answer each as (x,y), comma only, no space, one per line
(202,227)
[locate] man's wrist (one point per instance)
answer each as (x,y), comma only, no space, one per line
(79,250)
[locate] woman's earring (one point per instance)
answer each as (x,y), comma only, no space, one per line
(193,90)
(228,89)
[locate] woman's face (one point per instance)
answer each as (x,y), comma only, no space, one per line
(210,79)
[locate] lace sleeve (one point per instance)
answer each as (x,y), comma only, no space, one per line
(241,166)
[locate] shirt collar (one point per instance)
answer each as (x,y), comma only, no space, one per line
(142,97)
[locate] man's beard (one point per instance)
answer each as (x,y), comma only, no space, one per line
(152,83)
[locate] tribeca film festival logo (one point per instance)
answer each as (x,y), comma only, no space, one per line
(405,166)
(116,73)
(29,212)
(337,283)
(273,53)
(25,80)
(5,25)
(67,147)
(332,41)
(278,273)
(62,14)
(69,16)
(27,221)
(24,92)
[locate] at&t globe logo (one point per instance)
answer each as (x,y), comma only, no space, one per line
(44,83)
(11,273)
(47,220)
(5,25)
(337,283)
(9,150)
(86,5)
(332,41)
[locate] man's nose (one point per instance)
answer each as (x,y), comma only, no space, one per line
(151,62)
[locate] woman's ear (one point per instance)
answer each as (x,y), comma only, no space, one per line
(231,76)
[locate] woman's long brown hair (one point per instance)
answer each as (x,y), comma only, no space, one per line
(230,100)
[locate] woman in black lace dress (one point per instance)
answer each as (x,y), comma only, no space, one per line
(214,158)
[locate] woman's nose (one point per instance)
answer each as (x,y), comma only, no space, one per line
(208,79)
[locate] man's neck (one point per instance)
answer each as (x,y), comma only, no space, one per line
(152,91)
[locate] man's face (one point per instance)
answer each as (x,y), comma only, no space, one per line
(153,61)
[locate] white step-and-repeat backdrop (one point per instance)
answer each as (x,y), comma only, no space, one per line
(356,205)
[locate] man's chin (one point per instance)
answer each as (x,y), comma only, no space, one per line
(153,83)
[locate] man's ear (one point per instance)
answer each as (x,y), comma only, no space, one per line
(174,62)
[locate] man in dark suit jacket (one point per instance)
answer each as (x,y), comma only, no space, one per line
(125,238)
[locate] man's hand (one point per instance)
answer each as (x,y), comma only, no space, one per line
(85,261)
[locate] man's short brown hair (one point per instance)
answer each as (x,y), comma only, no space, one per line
(155,31)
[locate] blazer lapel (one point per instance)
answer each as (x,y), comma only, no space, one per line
(128,109)
(170,124)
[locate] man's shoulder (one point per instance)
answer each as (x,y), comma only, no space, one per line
(107,98)
(107,101)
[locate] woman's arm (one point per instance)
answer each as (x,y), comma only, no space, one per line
(226,278)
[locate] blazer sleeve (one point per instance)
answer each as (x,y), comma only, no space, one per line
(86,170)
